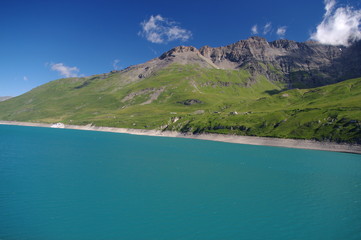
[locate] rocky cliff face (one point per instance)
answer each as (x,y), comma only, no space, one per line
(299,65)
(307,64)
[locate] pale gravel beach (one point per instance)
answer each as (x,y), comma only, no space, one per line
(263,141)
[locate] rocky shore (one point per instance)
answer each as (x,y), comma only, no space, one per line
(264,141)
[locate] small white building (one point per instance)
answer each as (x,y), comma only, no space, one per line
(58,125)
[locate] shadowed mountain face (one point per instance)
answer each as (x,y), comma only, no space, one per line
(298,65)
(301,65)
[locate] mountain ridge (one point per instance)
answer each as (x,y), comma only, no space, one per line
(248,88)
(296,64)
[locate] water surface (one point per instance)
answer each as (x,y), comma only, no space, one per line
(69,184)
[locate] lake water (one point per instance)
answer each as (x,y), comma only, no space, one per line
(69,184)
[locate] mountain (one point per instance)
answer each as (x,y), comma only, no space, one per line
(4,98)
(252,87)
(298,65)
(301,65)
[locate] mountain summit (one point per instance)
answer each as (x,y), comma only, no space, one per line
(299,65)
(307,64)
(252,87)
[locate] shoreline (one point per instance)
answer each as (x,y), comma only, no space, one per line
(250,140)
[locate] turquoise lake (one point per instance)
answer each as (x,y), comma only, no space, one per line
(68,184)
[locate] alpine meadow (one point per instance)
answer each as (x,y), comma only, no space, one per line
(282,89)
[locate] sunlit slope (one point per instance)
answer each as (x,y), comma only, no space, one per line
(190,98)
(331,113)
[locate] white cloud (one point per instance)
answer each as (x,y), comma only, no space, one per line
(340,26)
(116,65)
(267,28)
(25,78)
(329,6)
(281,31)
(254,29)
(65,71)
(161,30)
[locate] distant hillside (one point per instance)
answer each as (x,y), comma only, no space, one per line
(4,98)
(247,88)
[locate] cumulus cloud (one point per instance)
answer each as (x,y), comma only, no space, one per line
(116,65)
(267,28)
(25,78)
(161,30)
(64,71)
(254,29)
(281,31)
(340,26)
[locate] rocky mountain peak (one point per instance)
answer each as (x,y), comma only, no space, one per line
(251,43)
(285,44)
(177,50)
(299,64)
(255,39)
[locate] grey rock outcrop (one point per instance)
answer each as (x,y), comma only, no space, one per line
(307,64)
(300,65)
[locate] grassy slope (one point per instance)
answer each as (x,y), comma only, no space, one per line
(331,112)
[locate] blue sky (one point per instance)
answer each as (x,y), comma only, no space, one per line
(42,41)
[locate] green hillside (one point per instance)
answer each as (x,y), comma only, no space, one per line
(189,98)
